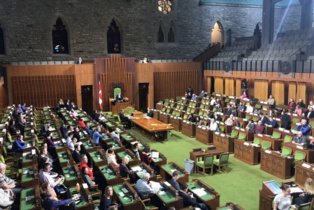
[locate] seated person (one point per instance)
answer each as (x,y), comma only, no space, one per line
(194,97)
(12,128)
(308,194)
(6,182)
(271,101)
(106,200)
(111,158)
(144,187)
(271,122)
(84,163)
(230,121)
(76,154)
(119,98)
(81,123)
(249,108)
(145,157)
(124,119)
(115,136)
(191,118)
(250,126)
(218,108)
(174,180)
(291,103)
(285,120)
(259,128)
(228,111)
(188,198)
(44,158)
(256,111)
(150,113)
(136,149)
(202,94)
(73,114)
(216,116)
(125,172)
(243,96)
(87,128)
(19,145)
(97,135)
(52,202)
(303,127)
(87,179)
(46,177)
(299,139)
(72,144)
(298,110)
(213,126)
(76,133)
(300,103)
(45,128)
(241,107)
(309,114)
(50,144)
(263,118)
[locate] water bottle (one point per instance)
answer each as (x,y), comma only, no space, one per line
(177,194)
(69,165)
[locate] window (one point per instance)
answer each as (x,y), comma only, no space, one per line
(60,38)
(160,35)
(171,35)
(2,50)
(113,38)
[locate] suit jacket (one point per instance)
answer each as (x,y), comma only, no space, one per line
(228,112)
(124,171)
(217,118)
(150,114)
(76,156)
(187,200)
(264,120)
(174,184)
(119,98)
(306,114)
(251,126)
(285,121)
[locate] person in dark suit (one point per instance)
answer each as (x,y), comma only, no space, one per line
(119,98)
(285,120)
(150,113)
(309,114)
(300,103)
(174,181)
(188,198)
(191,118)
(250,126)
(76,153)
(271,122)
(217,117)
(263,118)
(228,111)
(125,172)
(124,119)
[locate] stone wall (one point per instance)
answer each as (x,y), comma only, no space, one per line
(28,26)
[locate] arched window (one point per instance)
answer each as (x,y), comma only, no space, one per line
(113,38)
(171,34)
(60,38)
(160,35)
(2,50)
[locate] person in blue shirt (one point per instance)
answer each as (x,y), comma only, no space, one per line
(23,107)
(97,135)
(19,144)
(87,129)
(52,202)
(271,122)
(303,127)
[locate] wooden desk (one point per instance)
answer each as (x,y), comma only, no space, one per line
(163,117)
(161,160)
(86,203)
(227,128)
(275,143)
(117,107)
(127,200)
(204,135)
(230,205)
(302,172)
(195,155)
(110,175)
(309,152)
(34,200)
(211,198)
(71,175)
(144,168)
(132,159)
(98,157)
(168,197)
(188,129)
(176,123)
(152,128)
(275,164)
(246,152)
(167,170)
(156,114)
(29,176)
(223,141)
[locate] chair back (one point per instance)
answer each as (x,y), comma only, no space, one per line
(286,151)
(208,160)
(266,145)
(257,140)
(287,138)
(222,128)
(299,155)
(223,159)
(234,133)
(242,136)
(276,135)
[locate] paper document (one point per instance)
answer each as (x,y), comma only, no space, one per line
(199,192)
(136,168)
(296,190)
(155,154)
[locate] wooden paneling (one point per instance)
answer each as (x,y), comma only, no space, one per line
(208,88)
(261,89)
(301,91)
(292,90)
(219,85)
(238,87)
(229,87)
(278,91)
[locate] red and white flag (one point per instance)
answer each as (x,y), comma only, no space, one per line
(100,95)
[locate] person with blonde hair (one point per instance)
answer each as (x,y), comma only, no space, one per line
(125,171)
(308,194)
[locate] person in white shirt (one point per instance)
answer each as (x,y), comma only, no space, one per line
(282,200)
(213,125)
(143,187)
(45,177)
(249,108)
(212,101)
(71,145)
(115,135)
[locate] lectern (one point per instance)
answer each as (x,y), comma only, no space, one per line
(266,196)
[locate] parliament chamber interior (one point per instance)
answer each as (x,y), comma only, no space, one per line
(162,104)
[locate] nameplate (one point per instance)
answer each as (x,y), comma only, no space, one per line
(278,119)
(255,114)
(246,143)
(310,137)
(295,115)
(244,119)
(268,151)
(300,147)
(217,133)
(223,135)
(305,165)
(231,97)
(204,128)
(236,128)
(288,113)
(218,94)
(260,135)
(1,140)
(281,129)
(287,131)
(242,129)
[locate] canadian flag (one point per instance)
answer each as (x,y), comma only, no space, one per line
(100,95)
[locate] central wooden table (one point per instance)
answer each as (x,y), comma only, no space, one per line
(151,128)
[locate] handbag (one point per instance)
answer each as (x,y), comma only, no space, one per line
(7,197)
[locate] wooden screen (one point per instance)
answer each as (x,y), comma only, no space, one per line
(278,91)
(261,89)
(229,87)
(172,84)
(43,91)
(209,85)
(292,91)
(301,92)
(238,87)
(219,85)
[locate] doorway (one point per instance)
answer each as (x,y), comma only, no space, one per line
(87,98)
(143,96)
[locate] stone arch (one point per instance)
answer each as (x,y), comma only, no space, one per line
(218,34)
(114,36)
(161,35)
(172,33)
(60,36)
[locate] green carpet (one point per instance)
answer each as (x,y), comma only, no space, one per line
(241,185)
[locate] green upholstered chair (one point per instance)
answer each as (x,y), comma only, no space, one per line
(286,151)
(178,114)
(299,155)
(222,162)
(202,106)
(257,140)
(276,135)
(287,138)
(255,119)
(185,117)
(200,113)
(242,136)
(234,134)
(116,91)
(205,163)
(266,145)
(258,106)
(222,128)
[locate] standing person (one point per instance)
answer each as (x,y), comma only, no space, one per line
(282,200)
